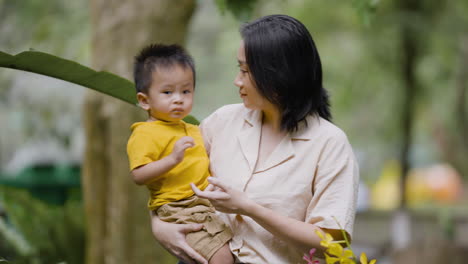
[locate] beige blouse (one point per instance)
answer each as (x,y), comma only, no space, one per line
(312,174)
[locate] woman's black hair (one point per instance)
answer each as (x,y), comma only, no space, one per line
(286,69)
(156,56)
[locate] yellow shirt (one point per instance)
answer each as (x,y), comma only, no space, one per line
(151,141)
(311,176)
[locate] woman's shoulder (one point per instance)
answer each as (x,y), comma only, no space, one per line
(226,113)
(324,129)
(230,109)
(329,139)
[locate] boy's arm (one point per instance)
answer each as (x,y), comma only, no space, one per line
(148,172)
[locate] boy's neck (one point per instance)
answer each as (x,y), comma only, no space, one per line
(152,119)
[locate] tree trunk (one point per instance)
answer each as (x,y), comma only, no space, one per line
(118,227)
(409,51)
(461,108)
(410,9)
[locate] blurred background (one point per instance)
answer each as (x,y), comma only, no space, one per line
(397,72)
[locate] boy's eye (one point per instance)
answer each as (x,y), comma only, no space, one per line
(187,91)
(167,92)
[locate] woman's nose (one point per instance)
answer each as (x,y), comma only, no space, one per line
(238,81)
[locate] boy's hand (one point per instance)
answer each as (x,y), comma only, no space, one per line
(180,146)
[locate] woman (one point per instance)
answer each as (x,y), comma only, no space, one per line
(282,169)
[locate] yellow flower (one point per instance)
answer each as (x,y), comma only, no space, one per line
(363,259)
(330,260)
(333,260)
(335,253)
(327,239)
(344,256)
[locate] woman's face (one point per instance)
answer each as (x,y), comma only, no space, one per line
(247,89)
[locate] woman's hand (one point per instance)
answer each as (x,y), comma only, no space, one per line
(172,238)
(224,198)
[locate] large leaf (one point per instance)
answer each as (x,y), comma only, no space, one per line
(70,71)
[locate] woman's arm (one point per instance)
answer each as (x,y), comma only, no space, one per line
(228,200)
(172,237)
(288,229)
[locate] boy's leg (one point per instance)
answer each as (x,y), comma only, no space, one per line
(222,256)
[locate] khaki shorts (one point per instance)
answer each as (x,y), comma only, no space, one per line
(215,232)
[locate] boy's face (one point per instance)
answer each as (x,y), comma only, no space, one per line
(170,95)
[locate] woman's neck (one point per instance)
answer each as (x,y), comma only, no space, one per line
(271,135)
(272,118)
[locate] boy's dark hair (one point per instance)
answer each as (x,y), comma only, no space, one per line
(286,68)
(159,55)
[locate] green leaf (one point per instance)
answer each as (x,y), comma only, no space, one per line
(241,9)
(70,71)
(221,4)
(366,9)
(191,120)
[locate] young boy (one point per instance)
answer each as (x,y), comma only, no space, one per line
(167,154)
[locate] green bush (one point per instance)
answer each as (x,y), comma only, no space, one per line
(42,233)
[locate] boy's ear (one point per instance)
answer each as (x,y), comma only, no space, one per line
(143,101)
